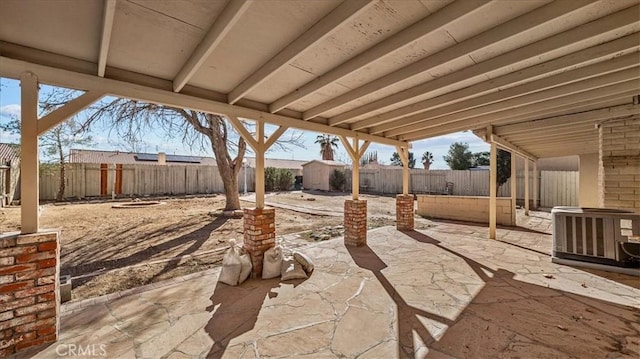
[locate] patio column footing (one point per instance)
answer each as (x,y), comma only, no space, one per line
(259,235)
(355,222)
(404,212)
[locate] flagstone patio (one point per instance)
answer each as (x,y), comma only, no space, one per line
(440,293)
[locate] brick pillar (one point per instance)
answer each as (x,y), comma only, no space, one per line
(619,172)
(404,212)
(355,223)
(29,299)
(259,235)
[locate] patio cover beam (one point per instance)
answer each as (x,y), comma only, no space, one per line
(568,120)
(220,28)
(500,99)
(156,91)
(418,30)
(501,142)
(320,30)
(543,108)
(531,94)
(69,109)
(107,25)
(531,20)
(624,20)
(403,153)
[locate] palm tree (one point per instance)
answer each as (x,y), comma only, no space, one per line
(327,144)
(427,160)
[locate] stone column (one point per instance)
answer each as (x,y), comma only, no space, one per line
(619,172)
(404,212)
(355,222)
(259,235)
(29,293)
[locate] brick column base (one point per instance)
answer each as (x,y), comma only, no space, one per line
(29,293)
(404,212)
(259,235)
(355,223)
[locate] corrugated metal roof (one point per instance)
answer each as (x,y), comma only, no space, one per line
(8,153)
(94,156)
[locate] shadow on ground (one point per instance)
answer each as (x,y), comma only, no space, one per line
(510,318)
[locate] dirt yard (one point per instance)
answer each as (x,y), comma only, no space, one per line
(106,249)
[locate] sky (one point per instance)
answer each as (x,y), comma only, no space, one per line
(157,142)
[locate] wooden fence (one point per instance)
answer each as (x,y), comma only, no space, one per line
(92,180)
(556,188)
(82,180)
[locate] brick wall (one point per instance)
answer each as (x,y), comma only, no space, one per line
(464,208)
(619,172)
(29,304)
(404,212)
(355,223)
(259,235)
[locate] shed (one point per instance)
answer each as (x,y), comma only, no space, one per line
(316,173)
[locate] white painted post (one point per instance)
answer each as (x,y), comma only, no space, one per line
(259,171)
(244,169)
(493,176)
(355,173)
(514,187)
(526,187)
(29,164)
(535,185)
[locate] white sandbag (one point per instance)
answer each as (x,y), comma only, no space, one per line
(291,269)
(305,261)
(246,267)
(272,262)
(231,265)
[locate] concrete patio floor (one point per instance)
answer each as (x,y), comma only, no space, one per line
(440,293)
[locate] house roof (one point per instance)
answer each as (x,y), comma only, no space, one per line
(276,162)
(326,162)
(95,156)
(538,73)
(8,153)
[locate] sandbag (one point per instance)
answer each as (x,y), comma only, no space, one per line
(231,265)
(291,269)
(305,261)
(246,267)
(272,262)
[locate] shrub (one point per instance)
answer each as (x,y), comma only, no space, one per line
(270,179)
(285,179)
(337,180)
(278,179)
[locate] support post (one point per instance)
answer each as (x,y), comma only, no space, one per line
(526,187)
(535,185)
(355,210)
(404,201)
(514,188)
(259,175)
(493,176)
(29,178)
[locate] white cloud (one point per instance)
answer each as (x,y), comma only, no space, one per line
(10,110)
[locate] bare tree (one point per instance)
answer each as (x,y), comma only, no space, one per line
(130,120)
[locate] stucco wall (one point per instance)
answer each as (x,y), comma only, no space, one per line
(315,175)
(588,181)
(464,208)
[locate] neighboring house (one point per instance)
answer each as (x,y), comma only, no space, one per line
(295,166)
(118,157)
(9,173)
(316,173)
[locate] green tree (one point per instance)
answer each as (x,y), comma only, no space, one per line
(427,159)
(396,161)
(481,159)
(327,145)
(503,164)
(459,157)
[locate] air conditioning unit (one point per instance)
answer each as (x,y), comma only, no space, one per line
(595,235)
